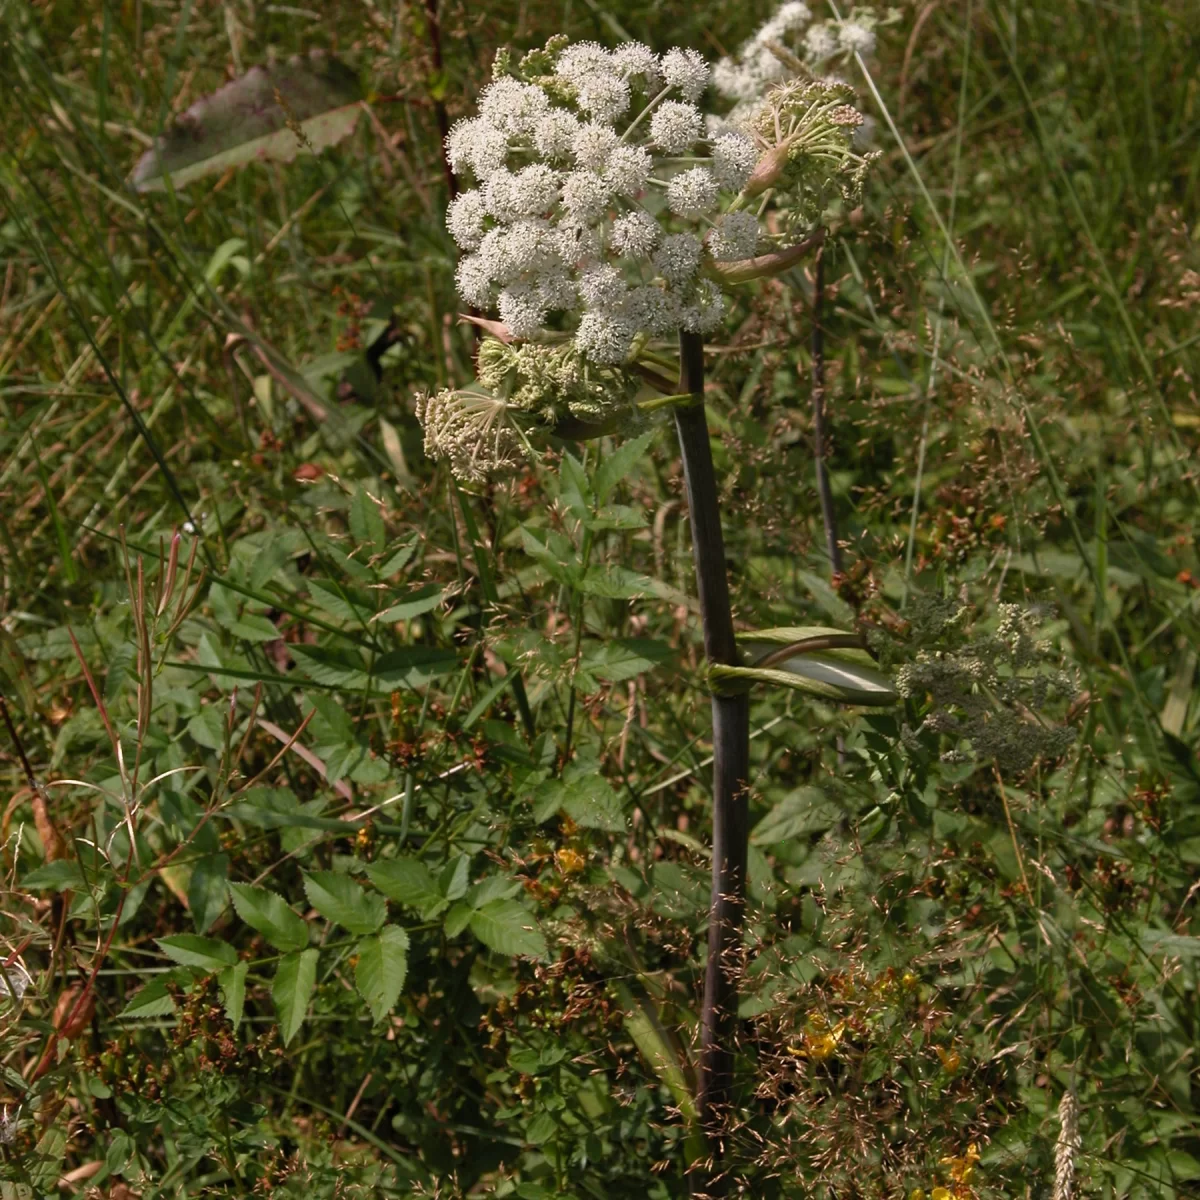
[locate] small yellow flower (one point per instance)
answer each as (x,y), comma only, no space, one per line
(917,1194)
(962,1168)
(940,1193)
(951,1060)
(570,861)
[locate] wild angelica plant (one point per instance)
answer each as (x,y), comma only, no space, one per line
(604,219)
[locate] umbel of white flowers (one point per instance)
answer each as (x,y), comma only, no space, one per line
(603,217)
(791,44)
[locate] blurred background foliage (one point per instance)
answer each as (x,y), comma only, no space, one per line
(463,951)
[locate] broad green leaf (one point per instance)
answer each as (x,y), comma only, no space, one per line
(804,811)
(420,600)
(55,876)
(252,118)
(232,981)
(295,979)
(192,950)
(624,658)
(207,891)
(457,919)
(46,1162)
(455,877)
(151,1001)
(408,881)
(366,522)
(619,464)
(591,803)
(269,913)
(339,899)
(509,928)
(382,967)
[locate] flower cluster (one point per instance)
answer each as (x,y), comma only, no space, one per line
(989,691)
(603,215)
(595,186)
(791,45)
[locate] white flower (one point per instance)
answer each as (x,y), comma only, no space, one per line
(635,61)
(522,309)
(603,287)
(583,60)
(651,309)
(675,126)
(604,337)
(734,157)
(497,196)
(693,193)
(704,314)
(628,170)
(585,195)
(474,281)
(534,190)
(578,242)
(820,43)
(592,145)
(556,291)
(736,237)
(476,145)
(686,71)
(855,38)
(635,234)
(531,246)
(792,14)
(554,134)
(678,257)
(513,107)
(494,255)
(605,97)
(464,219)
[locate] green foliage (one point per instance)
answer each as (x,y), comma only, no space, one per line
(371,811)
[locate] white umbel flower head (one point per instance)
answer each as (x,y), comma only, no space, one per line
(512,107)
(639,65)
(628,170)
(820,43)
(693,193)
(678,257)
(856,38)
(595,214)
(635,234)
(685,71)
(593,144)
(734,156)
(735,237)
(675,126)
(465,217)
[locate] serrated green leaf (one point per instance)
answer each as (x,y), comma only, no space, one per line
(339,899)
(366,522)
(625,658)
(509,928)
(55,876)
(619,464)
(381,970)
(270,915)
(419,600)
(151,1001)
(295,979)
(207,891)
(192,950)
(232,982)
(803,811)
(408,881)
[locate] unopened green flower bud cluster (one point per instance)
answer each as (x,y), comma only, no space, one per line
(990,692)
